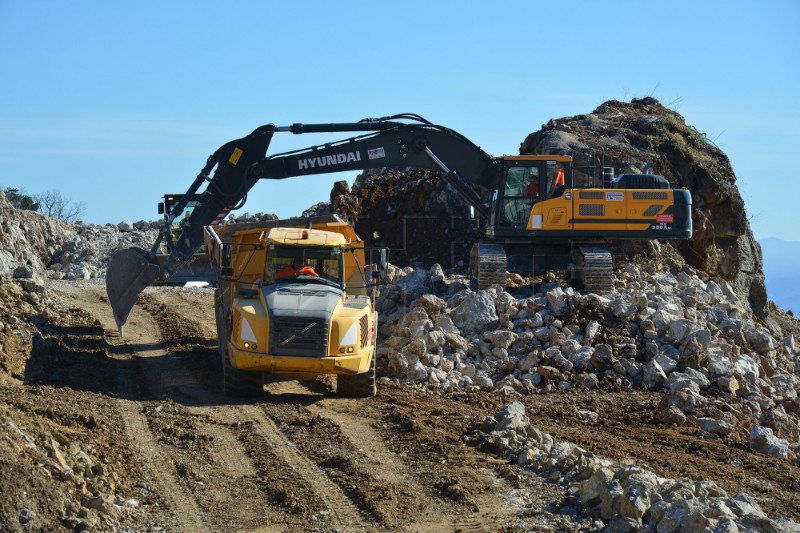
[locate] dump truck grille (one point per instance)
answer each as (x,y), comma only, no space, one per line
(299,337)
(364,325)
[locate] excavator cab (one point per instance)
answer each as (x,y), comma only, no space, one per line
(177,224)
(528,180)
(197,268)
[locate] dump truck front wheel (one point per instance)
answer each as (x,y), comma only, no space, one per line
(359,385)
(239,383)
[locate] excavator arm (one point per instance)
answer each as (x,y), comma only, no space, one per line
(243,162)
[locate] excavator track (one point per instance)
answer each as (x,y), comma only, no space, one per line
(595,269)
(488,265)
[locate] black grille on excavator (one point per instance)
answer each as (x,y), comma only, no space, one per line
(592,210)
(649,195)
(298,337)
(653,210)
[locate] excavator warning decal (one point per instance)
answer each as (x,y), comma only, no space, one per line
(376,153)
(237,153)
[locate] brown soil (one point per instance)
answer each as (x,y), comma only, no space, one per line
(148,407)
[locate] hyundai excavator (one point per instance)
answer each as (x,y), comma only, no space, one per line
(531,209)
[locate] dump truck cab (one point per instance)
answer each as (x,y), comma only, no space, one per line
(294,302)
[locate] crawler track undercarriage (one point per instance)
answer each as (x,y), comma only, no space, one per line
(590,267)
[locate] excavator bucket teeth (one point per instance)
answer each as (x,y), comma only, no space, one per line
(129,273)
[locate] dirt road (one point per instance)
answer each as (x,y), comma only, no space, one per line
(299,458)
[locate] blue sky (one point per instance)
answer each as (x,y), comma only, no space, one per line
(116,103)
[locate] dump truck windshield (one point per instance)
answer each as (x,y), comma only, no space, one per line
(291,263)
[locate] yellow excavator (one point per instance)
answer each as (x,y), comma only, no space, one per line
(534,212)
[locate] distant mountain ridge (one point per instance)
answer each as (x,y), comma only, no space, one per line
(781,261)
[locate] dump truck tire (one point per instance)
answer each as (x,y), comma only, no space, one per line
(238,383)
(358,386)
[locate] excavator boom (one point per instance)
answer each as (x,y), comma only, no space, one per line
(241,163)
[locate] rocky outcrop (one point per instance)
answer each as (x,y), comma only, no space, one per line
(631,136)
(28,238)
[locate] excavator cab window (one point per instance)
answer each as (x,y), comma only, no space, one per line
(556,179)
(521,191)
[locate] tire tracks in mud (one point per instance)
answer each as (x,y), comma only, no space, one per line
(348,472)
(396,470)
(185,511)
(293,459)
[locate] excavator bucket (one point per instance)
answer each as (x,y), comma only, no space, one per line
(129,273)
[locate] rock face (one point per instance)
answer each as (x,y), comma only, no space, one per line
(28,238)
(633,135)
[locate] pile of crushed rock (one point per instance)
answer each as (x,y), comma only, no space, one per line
(660,330)
(85,492)
(623,498)
(85,254)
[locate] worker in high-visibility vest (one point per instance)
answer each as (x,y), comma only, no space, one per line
(296,268)
(559,181)
(532,189)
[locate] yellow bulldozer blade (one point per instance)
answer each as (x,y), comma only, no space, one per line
(129,273)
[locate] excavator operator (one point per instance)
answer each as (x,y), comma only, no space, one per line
(532,190)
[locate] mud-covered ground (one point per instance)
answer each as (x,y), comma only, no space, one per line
(179,456)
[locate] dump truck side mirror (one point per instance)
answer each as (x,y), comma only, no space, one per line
(160,208)
(225,255)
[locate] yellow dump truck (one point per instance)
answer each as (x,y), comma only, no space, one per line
(296,300)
